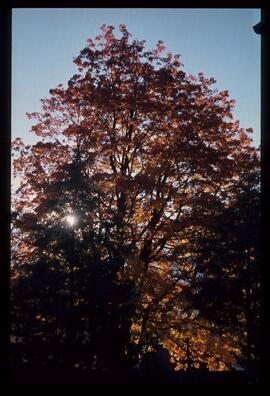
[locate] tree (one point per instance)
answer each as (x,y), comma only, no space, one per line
(144,156)
(228,293)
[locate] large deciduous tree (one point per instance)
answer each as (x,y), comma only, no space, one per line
(144,156)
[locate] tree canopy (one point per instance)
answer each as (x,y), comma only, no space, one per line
(162,182)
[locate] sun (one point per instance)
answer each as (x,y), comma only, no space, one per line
(71,220)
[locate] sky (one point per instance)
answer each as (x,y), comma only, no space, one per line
(218,42)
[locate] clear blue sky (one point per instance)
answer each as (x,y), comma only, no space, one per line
(219,42)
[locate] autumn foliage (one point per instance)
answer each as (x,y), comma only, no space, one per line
(153,165)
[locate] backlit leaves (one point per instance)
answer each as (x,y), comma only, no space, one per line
(147,156)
